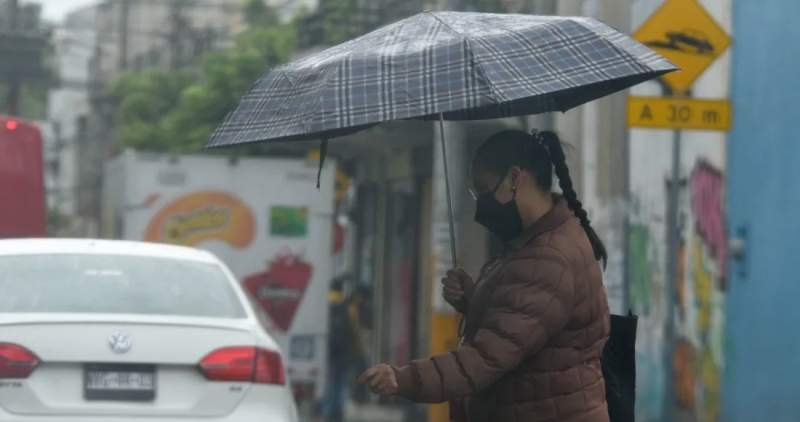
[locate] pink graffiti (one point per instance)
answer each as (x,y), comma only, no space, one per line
(707,188)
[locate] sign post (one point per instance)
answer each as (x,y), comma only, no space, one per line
(684,32)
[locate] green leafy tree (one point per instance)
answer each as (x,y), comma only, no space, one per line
(340,20)
(144,99)
(256,13)
(485,5)
(178,111)
(32,100)
(226,76)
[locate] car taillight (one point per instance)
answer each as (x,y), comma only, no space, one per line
(16,362)
(244,364)
(269,368)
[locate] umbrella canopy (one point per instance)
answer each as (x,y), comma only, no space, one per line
(457,66)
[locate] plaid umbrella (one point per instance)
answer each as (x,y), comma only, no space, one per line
(445,65)
(466,66)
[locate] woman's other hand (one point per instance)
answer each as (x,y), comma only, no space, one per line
(457,288)
(380,379)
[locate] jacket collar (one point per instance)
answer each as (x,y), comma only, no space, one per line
(558,215)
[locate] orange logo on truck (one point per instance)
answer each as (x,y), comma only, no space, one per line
(202,216)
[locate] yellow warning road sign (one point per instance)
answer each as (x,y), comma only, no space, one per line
(684,32)
(677,113)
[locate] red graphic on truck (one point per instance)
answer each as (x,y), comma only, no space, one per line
(281,287)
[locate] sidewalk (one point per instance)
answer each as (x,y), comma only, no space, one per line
(360,413)
(372,413)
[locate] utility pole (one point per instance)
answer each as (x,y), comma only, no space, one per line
(174,33)
(178,33)
(13,79)
(124,11)
(673,243)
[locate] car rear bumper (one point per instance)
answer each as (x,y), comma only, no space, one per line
(239,416)
(259,404)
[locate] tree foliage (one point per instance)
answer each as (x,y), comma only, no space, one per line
(144,100)
(256,13)
(340,20)
(177,111)
(32,100)
(485,5)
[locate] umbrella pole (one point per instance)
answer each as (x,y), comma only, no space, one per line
(451,219)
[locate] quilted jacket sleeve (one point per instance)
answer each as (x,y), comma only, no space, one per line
(530,303)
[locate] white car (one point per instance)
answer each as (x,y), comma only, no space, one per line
(94,330)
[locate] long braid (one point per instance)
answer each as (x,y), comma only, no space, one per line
(554,149)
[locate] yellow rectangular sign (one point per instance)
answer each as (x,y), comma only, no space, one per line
(679,113)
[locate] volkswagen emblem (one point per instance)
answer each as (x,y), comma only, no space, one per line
(120,343)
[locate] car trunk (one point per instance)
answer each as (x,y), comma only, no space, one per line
(151,370)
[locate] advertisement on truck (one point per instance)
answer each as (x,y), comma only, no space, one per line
(264,217)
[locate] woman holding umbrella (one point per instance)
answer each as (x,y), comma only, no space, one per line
(537,318)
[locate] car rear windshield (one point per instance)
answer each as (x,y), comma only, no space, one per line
(115,284)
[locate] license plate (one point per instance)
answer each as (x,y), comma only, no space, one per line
(120,382)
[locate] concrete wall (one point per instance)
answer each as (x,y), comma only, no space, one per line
(68,106)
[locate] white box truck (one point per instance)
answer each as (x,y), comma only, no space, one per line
(264,217)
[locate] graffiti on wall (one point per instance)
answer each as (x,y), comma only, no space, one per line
(706,186)
(698,359)
(646,300)
(685,378)
(640,270)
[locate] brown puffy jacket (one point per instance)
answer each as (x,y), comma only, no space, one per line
(535,327)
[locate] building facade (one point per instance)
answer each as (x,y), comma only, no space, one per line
(74,45)
(135,35)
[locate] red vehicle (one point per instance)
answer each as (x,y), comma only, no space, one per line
(22,196)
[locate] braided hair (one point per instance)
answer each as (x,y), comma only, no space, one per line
(542,154)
